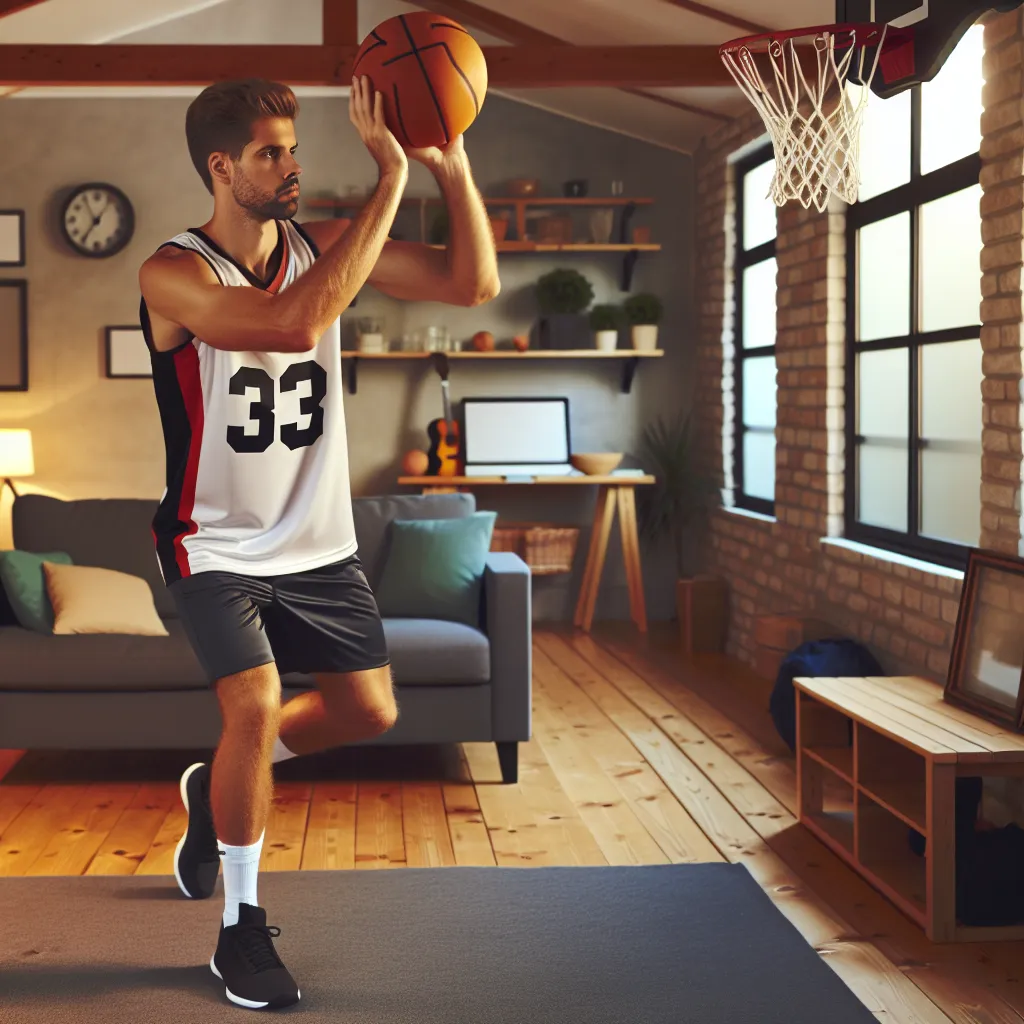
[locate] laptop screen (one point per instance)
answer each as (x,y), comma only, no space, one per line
(516,431)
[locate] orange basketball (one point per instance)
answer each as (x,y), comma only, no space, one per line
(432,73)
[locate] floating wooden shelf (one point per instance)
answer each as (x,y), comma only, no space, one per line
(356,202)
(570,247)
(630,359)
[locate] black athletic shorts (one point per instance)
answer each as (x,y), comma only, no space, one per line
(322,620)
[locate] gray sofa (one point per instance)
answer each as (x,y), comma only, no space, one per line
(453,683)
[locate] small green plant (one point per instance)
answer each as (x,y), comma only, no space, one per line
(643,309)
(606,317)
(564,291)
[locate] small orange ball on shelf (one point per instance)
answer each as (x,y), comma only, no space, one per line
(483,341)
(415,463)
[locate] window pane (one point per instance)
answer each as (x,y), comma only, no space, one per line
(883,276)
(951,105)
(883,393)
(759,210)
(951,392)
(951,496)
(884,143)
(882,486)
(951,261)
(759,465)
(759,392)
(759,304)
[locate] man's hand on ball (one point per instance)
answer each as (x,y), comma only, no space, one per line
(366,112)
(439,156)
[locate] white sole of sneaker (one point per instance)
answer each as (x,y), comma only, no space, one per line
(183,789)
(238,1000)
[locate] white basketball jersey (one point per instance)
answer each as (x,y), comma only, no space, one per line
(257,456)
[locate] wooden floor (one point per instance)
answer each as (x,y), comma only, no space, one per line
(636,758)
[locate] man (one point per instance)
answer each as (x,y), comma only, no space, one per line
(254,532)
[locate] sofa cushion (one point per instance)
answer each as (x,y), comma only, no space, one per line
(435,568)
(434,651)
(372,515)
(98,661)
(88,599)
(113,533)
(25,585)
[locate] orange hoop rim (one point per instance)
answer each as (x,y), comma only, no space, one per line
(845,34)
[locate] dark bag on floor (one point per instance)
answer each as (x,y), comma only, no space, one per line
(840,656)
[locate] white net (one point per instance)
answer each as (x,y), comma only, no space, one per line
(813,118)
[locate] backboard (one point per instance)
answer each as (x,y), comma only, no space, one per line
(938,26)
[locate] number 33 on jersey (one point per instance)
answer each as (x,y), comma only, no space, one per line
(257,454)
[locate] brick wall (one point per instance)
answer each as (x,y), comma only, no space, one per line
(903,612)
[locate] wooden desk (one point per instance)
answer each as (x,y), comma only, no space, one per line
(613,493)
(898,749)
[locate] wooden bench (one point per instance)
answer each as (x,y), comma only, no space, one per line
(876,755)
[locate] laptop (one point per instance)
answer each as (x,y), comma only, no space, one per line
(516,437)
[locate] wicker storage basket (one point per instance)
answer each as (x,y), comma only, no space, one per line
(546,548)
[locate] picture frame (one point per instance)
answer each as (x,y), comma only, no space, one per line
(13,334)
(127,354)
(986,665)
(12,238)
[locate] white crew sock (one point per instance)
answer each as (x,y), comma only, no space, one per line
(241,865)
(281,752)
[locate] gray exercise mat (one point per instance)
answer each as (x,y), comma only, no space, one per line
(680,943)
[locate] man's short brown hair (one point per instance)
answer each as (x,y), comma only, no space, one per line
(220,118)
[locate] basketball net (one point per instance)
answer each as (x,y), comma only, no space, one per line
(812,117)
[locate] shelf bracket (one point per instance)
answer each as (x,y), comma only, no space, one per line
(628,372)
(628,266)
(352,376)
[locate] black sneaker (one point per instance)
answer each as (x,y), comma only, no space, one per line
(248,964)
(197,856)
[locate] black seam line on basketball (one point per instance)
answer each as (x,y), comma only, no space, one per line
(398,112)
(433,46)
(448,24)
(380,42)
(426,78)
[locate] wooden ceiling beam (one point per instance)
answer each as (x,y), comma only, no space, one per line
(510,67)
(689,108)
(751,27)
(13,6)
(341,22)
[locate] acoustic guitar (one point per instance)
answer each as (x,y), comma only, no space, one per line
(444,457)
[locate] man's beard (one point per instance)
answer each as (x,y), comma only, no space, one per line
(260,205)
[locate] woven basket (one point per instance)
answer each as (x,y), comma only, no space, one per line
(546,548)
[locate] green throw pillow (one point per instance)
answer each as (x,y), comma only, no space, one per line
(435,568)
(25,585)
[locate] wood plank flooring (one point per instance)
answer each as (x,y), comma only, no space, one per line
(636,758)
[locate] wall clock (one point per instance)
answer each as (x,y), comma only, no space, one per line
(97,220)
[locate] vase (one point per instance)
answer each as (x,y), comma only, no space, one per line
(563,331)
(645,337)
(606,341)
(601,223)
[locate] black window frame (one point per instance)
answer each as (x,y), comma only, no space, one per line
(744,259)
(908,198)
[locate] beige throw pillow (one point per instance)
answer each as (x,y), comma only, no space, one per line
(93,600)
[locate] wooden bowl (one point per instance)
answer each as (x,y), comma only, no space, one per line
(596,463)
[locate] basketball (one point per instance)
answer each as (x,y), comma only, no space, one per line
(432,74)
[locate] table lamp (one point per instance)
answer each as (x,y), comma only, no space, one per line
(15,456)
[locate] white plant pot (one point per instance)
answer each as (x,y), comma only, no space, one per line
(645,336)
(371,342)
(606,341)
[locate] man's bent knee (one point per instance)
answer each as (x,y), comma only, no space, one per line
(251,698)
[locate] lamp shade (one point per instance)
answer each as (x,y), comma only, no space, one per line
(16,453)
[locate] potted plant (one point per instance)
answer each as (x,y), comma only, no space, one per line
(681,498)
(562,296)
(644,313)
(605,321)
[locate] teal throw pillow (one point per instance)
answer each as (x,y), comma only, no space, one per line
(435,568)
(25,585)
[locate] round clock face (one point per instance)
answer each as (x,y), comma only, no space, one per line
(98,220)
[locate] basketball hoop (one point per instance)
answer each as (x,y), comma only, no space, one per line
(813,119)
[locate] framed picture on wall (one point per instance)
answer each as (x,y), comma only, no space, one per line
(12,238)
(13,335)
(127,353)
(986,664)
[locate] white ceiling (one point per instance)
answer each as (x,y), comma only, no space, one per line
(580,22)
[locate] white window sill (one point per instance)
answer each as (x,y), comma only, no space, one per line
(891,556)
(759,516)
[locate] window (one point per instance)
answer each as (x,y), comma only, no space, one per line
(754,451)
(913,367)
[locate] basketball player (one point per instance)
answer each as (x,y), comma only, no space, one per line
(254,533)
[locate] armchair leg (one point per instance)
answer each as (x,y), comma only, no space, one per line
(508,758)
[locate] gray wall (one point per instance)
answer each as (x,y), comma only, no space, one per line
(100,437)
